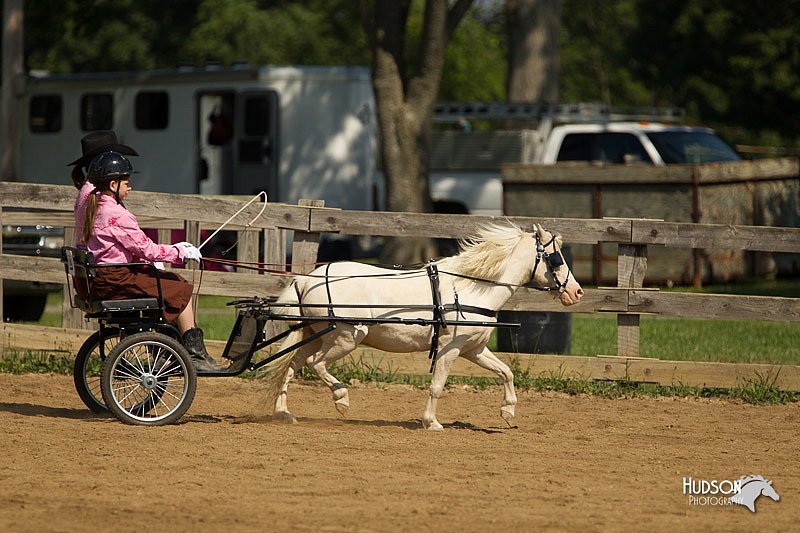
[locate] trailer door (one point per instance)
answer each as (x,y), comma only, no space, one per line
(257,136)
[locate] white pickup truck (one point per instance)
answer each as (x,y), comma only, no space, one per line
(465,164)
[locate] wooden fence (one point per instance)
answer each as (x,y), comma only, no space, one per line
(757,193)
(628,300)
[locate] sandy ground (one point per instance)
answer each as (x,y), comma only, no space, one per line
(571,463)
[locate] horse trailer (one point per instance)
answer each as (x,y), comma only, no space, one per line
(296,132)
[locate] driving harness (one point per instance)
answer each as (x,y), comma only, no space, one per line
(439,310)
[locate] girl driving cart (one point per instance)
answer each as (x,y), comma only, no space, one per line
(112,234)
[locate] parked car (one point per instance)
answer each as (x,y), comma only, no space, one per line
(25,300)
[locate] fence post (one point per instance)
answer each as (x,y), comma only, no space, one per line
(274,247)
(247,247)
(192,229)
(697,215)
(631,268)
(164,236)
(305,244)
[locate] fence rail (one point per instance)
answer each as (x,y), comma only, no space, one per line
(628,300)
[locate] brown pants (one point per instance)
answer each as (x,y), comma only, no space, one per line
(120,283)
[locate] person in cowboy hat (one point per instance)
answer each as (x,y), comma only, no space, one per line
(92,145)
(112,234)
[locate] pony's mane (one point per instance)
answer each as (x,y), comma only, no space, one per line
(745,480)
(485,254)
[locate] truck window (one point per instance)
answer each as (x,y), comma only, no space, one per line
(608,147)
(152,110)
(45,113)
(97,111)
(691,147)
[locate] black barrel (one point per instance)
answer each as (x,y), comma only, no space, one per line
(538,332)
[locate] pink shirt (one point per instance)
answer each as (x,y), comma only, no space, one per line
(117,238)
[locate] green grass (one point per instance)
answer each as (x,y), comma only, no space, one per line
(36,362)
(693,340)
(685,339)
(757,393)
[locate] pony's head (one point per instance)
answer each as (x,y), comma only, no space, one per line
(489,255)
(550,269)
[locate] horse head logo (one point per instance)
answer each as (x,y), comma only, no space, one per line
(751,488)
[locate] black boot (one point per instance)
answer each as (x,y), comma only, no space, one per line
(193,341)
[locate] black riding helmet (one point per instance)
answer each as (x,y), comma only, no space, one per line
(109,166)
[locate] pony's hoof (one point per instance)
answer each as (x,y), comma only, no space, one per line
(507,413)
(342,406)
(341,400)
(284,416)
(432,425)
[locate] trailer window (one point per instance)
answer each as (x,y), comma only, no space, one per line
(45,113)
(97,111)
(152,110)
(256,116)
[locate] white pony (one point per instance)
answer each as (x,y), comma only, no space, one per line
(481,278)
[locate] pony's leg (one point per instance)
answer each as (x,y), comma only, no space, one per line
(298,360)
(484,358)
(335,346)
(444,362)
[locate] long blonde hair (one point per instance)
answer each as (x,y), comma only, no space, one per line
(91,211)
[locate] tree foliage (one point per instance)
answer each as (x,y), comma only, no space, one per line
(732,65)
(729,64)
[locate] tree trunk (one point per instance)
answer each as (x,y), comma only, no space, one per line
(533,58)
(13,66)
(405,105)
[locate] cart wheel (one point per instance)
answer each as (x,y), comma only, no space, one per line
(89,366)
(148,380)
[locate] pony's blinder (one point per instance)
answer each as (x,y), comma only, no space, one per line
(553,261)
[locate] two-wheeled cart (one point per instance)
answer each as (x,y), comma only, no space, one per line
(135,366)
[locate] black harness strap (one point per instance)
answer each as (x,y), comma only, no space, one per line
(460,309)
(328,289)
(438,312)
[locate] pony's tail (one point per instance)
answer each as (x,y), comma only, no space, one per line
(274,374)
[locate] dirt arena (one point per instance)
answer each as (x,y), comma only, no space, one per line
(571,463)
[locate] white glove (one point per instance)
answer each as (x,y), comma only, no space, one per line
(159,265)
(190,252)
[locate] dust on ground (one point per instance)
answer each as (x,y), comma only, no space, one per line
(575,463)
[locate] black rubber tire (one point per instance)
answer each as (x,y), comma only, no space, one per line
(148,380)
(88,369)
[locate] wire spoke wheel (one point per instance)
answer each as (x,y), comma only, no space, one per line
(148,379)
(89,366)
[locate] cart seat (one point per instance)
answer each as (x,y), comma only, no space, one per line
(111,306)
(80,267)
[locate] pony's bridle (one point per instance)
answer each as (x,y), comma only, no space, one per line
(551,261)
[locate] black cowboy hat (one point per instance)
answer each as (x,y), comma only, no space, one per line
(97,142)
